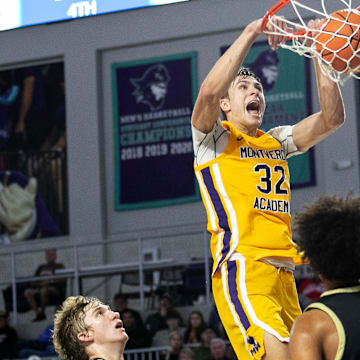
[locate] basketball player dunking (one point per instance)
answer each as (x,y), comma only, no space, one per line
(244,181)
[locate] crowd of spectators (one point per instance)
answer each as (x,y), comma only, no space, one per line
(192,338)
(184,339)
(163,328)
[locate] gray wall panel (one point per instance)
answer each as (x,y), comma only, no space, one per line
(89,46)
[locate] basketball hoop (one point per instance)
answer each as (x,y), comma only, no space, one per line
(335,45)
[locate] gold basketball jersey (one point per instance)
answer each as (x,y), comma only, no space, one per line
(246,193)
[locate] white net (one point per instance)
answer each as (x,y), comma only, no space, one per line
(336,45)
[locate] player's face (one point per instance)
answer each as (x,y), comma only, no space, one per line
(246,103)
(105,325)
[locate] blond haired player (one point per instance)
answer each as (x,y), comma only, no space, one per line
(87,329)
(245,186)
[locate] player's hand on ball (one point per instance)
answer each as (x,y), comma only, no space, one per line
(17,209)
(277,25)
(314,25)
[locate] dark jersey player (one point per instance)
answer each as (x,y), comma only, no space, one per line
(329,329)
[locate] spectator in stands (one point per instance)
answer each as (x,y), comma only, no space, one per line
(139,337)
(157,320)
(48,290)
(196,324)
(23,214)
(173,322)
(120,304)
(218,349)
(203,352)
(85,328)
(187,354)
(42,346)
(175,345)
(8,337)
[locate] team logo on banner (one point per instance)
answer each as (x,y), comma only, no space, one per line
(265,67)
(151,89)
(153,102)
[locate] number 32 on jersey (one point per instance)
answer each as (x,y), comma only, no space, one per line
(267,186)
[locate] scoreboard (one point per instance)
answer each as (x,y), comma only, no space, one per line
(20,13)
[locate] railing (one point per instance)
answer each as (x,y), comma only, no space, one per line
(153,353)
(106,260)
(78,271)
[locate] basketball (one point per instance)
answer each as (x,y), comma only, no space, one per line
(338,42)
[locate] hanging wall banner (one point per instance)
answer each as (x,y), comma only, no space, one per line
(153,100)
(285,77)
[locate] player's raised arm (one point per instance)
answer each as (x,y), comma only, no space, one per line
(218,80)
(318,126)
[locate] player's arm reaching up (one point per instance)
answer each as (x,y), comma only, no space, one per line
(217,82)
(318,126)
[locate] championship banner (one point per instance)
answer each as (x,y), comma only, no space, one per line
(153,101)
(285,77)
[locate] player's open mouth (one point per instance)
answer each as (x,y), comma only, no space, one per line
(253,108)
(119,325)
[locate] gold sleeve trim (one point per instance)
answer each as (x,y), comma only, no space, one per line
(347,290)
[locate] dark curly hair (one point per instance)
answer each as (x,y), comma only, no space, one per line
(329,237)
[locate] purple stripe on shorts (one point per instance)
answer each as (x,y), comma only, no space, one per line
(234,295)
(219,209)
